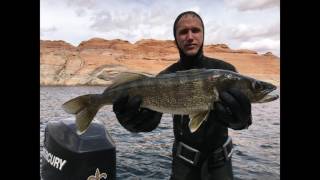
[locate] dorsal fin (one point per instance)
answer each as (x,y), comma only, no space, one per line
(126,77)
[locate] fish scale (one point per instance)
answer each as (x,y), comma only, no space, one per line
(173,95)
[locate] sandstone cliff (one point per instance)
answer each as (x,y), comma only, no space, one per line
(97,61)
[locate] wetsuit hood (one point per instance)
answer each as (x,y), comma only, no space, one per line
(185,60)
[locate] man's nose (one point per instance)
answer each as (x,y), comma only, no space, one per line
(190,36)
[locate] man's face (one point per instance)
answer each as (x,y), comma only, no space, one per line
(189,34)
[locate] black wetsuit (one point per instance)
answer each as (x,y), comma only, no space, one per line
(211,134)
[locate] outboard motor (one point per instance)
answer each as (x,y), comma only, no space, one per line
(69,156)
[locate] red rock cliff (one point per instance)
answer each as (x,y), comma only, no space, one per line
(97,61)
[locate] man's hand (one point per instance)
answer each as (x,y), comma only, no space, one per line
(234,109)
(134,118)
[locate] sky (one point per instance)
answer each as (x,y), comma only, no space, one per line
(241,24)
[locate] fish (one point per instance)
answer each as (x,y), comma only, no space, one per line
(191,92)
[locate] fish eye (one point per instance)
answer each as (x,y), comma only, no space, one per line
(256,85)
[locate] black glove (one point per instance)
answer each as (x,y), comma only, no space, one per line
(134,118)
(234,109)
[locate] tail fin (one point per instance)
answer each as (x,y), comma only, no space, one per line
(84,110)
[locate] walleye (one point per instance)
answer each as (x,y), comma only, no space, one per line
(191,92)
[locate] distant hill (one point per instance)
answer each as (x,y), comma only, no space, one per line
(97,61)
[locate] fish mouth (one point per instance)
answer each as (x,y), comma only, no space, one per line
(268,95)
(268,98)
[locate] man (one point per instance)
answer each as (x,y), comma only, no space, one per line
(206,153)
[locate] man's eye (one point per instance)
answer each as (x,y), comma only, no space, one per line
(195,30)
(183,31)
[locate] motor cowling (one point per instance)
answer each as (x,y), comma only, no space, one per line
(69,156)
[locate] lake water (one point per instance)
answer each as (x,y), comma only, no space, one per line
(148,155)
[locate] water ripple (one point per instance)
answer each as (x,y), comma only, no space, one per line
(148,155)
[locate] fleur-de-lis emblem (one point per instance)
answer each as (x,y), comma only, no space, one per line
(98,176)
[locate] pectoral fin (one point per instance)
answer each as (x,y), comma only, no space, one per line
(196,119)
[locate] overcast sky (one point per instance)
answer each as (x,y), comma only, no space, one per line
(241,24)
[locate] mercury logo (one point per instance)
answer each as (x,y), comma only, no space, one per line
(98,176)
(53,160)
